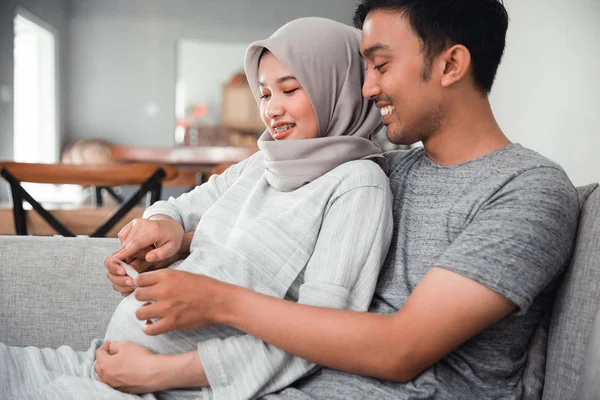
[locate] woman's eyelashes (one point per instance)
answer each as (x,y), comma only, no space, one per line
(266,96)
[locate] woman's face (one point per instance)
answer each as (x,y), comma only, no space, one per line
(284,105)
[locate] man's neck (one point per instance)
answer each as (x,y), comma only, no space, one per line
(468,131)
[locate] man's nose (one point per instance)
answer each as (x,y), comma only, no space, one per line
(370,89)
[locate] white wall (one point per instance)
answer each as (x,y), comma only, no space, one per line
(122,57)
(226,59)
(547,93)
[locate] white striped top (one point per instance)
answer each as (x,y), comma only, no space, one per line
(322,244)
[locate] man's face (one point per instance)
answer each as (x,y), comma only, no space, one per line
(396,78)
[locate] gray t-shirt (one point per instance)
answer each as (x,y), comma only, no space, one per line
(507,220)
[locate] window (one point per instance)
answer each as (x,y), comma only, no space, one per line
(36,122)
(36,137)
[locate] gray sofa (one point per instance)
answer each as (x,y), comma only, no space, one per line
(54,291)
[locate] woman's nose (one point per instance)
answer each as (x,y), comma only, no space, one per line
(274,109)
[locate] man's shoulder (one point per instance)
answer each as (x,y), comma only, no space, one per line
(522,158)
(512,157)
(396,157)
(527,168)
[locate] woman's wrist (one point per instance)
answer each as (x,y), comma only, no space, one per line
(174,371)
(159,217)
(228,302)
(186,242)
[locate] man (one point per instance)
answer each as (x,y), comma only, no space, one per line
(482,229)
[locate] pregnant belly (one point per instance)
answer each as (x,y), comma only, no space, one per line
(124,326)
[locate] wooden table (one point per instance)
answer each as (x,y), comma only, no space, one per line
(190,161)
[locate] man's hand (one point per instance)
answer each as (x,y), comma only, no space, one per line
(127,367)
(182,300)
(445,310)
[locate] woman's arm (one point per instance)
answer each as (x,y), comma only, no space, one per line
(188,208)
(181,371)
(186,241)
(341,273)
(444,311)
(132,368)
(147,245)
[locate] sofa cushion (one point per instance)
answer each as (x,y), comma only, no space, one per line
(535,368)
(575,307)
(72,306)
(589,382)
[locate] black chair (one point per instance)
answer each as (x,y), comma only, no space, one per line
(148,177)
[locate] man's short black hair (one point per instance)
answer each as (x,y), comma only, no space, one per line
(479,25)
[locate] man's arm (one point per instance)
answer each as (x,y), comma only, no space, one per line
(502,260)
(445,310)
(509,252)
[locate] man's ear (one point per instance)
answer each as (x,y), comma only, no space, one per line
(457,63)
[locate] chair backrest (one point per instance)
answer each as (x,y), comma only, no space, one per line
(576,305)
(112,174)
(148,177)
(219,169)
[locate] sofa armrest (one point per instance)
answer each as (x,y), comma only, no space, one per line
(54,290)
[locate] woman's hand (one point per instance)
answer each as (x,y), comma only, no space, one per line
(182,300)
(127,367)
(124,284)
(146,245)
(132,368)
(161,232)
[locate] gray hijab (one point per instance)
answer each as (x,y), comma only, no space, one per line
(324,56)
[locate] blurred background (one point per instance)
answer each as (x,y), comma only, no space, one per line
(96,81)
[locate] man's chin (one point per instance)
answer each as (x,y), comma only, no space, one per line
(400,138)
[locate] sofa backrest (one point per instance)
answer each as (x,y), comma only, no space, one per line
(588,387)
(54,291)
(576,304)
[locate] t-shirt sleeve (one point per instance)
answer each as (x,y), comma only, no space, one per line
(521,238)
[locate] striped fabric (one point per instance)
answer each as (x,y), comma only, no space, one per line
(322,244)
